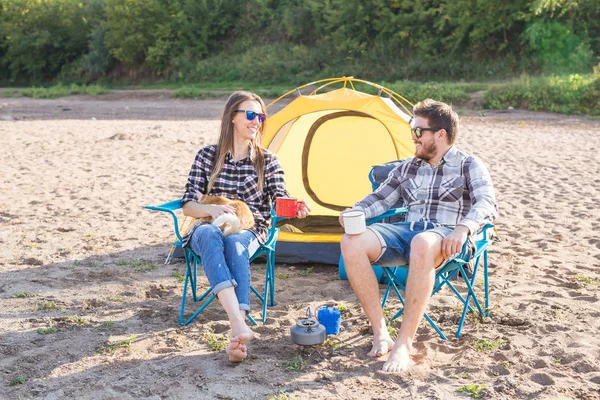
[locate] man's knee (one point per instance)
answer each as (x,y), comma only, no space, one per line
(426,243)
(363,244)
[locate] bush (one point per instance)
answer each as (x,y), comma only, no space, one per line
(572,94)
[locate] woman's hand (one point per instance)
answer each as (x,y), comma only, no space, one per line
(216,210)
(303,209)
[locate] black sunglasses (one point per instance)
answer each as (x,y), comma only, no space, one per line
(418,132)
(250,115)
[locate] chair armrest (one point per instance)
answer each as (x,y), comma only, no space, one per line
(392,212)
(170,207)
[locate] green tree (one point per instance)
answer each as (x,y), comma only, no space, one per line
(132,27)
(42,36)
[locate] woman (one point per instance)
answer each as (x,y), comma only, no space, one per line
(236,168)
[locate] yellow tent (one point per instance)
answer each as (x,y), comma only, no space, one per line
(327,142)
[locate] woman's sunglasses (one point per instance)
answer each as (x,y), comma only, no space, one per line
(250,115)
(418,132)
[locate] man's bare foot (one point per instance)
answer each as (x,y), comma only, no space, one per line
(381,346)
(236,351)
(399,359)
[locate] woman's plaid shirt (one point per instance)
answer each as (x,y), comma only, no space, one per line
(238,181)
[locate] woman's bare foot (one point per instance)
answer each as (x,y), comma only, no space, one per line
(399,359)
(240,335)
(381,346)
(241,332)
(236,351)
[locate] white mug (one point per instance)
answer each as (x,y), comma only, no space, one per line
(354,222)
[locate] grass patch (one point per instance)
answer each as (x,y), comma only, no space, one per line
(392,331)
(21,295)
(18,380)
(116,298)
(111,347)
(282,395)
(585,280)
(56,91)
(179,276)
(47,331)
(281,275)
(48,306)
(75,320)
(306,271)
(482,345)
(107,325)
(296,364)
(474,391)
(216,343)
(138,265)
(335,344)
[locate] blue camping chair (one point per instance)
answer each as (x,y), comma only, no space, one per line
(267,251)
(453,269)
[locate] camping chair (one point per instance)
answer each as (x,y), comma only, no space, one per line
(466,269)
(266,250)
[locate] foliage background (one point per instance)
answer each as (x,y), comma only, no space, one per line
(294,41)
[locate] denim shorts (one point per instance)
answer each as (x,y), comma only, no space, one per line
(395,240)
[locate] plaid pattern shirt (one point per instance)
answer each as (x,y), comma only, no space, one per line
(238,181)
(458,191)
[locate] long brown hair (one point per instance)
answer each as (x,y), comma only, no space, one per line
(225,143)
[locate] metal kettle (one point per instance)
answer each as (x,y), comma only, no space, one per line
(308,331)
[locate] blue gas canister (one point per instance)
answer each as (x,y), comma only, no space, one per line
(330,317)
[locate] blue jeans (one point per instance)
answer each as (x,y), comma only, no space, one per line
(226,260)
(395,239)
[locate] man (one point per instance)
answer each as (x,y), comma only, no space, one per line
(449,196)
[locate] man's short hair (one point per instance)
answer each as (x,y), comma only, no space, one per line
(439,115)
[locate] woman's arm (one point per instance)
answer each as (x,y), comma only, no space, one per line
(198,210)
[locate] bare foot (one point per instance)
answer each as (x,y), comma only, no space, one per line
(381,346)
(236,351)
(241,333)
(399,359)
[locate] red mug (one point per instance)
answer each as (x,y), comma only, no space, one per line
(286,207)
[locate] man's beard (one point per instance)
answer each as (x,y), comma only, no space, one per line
(427,151)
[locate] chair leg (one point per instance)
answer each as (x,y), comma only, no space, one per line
(272,278)
(389,286)
(470,294)
(485,284)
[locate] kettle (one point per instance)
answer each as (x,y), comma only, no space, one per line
(308,331)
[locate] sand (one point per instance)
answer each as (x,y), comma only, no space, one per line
(87,310)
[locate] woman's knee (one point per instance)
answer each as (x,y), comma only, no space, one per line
(207,233)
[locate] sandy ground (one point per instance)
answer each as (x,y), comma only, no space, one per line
(87,310)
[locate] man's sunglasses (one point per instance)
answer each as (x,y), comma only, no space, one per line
(418,132)
(250,115)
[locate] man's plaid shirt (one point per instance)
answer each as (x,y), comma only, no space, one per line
(458,191)
(238,181)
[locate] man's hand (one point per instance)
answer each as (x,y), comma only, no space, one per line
(452,244)
(341,219)
(303,209)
